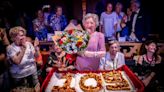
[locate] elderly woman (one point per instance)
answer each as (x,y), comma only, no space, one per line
(21,55)
(39,26)
(58,21)
(89,60)
(113,59)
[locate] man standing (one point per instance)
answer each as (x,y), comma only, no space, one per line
(137,26)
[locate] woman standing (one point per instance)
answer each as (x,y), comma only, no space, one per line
(39,26)
(21,55)
(89,59)
(108,23)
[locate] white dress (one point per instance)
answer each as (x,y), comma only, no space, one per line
(108,21)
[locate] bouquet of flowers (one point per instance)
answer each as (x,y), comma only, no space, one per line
(72,40)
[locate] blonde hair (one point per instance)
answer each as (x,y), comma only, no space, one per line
(93,16)
(13,32)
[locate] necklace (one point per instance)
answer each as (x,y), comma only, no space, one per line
(114,61)
(150,61)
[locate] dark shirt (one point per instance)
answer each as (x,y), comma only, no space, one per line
(146,68)
(51,60)
(141,29)
(2,51)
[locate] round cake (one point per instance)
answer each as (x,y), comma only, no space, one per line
(90,83)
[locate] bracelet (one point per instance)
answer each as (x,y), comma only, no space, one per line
(95,54)
(83,53)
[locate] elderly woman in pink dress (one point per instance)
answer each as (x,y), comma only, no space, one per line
(89,60)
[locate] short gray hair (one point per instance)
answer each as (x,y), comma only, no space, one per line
(114,42)
(93,16)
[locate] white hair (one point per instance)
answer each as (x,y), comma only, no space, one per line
(93,16)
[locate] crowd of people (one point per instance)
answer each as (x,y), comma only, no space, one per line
(114,23)
(130,24)
(18,59)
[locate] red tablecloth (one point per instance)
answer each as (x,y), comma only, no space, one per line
(137,83)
